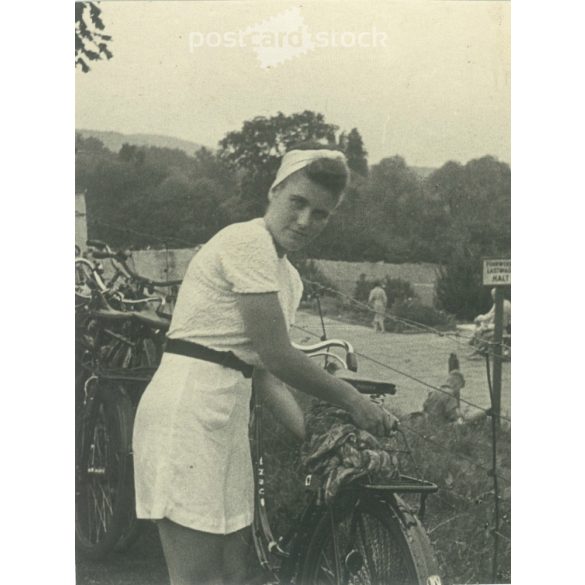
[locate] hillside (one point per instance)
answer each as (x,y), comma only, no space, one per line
(114,140)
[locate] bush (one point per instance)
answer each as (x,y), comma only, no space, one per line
(397,289)
(363,286)
(413,310)
(459,289)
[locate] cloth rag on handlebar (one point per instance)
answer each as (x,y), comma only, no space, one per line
(339,452)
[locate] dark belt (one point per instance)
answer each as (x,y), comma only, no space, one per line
(224,358)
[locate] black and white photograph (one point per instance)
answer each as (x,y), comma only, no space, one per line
(293,341)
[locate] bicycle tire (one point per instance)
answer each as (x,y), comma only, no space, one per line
(132,529)
(144,355)
(104,496)
(380,542)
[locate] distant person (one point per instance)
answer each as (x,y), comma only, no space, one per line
(378,301)
(361,288)
(486,324)
(443,404)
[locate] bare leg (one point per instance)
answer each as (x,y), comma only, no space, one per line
(237,557)
(193,557)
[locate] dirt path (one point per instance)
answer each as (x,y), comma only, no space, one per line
(423,356)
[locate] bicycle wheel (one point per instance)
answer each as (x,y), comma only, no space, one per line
(103,499)
(144,355)
(378,542)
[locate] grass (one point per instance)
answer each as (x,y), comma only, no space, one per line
(459,518)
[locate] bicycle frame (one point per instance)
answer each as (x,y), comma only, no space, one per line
(281,558)
(280,565)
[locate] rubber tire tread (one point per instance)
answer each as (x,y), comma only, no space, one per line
(145,357)
(119,415)
(399,522)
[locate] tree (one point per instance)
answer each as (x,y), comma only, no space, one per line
(476,197)
(392,208)
(210,166)
(459,289)
(257,148)
(262,141)
(90,44)
(357,156)
(131,153)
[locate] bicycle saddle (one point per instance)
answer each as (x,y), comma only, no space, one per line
(151,319)
(367,386)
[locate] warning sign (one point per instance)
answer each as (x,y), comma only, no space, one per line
(497,272)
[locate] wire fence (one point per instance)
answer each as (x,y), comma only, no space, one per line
(495,418)
(453,336)
(490,468)
(486,411)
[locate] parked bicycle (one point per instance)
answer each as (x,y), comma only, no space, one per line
(367,535)
(119,342)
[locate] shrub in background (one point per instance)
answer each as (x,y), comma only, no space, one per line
(362,289)
(412,309)
(459,289)
(397,289)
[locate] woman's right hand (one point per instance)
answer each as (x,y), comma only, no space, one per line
(372,417)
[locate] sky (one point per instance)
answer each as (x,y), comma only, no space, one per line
(429,81)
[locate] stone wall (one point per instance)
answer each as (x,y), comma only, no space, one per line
(422,276)
(172,264)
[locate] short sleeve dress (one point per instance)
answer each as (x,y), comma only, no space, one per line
(192,460)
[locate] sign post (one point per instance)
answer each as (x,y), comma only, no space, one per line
(497,273)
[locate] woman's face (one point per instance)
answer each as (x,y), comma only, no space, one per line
(298,212)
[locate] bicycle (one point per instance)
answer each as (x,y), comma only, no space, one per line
(117,351)
(367,535)
(130,284)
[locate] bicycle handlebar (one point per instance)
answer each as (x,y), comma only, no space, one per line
(105,252)
(97,244)
(320,347)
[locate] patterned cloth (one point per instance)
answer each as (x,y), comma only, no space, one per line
(339,452)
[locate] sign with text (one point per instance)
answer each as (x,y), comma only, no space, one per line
(497,271)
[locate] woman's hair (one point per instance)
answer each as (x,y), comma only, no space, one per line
(330,174)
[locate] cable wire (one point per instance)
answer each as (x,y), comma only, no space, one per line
(463,456)
(410,376)
(403,320)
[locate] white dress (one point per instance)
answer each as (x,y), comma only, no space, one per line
(192,459)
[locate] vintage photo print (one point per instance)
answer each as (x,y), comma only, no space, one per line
(293,339)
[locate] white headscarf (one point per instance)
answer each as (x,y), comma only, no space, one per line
(295,160)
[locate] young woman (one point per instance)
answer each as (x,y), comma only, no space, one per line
(193,470)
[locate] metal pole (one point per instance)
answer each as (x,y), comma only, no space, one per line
(498,335)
